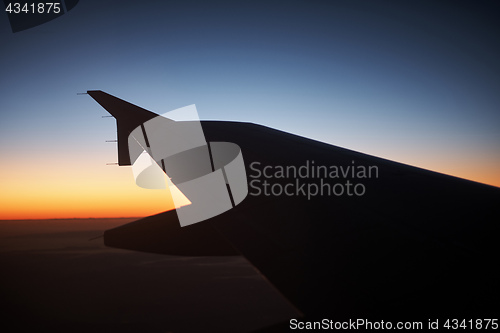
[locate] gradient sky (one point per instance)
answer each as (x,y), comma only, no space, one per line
(413,82)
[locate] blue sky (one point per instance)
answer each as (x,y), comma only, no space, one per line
(418,83)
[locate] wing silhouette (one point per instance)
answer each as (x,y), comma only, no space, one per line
(416,244)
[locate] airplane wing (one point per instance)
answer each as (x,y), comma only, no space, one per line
(415,244)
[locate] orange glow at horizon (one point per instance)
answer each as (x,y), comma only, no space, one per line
(78,188)
(478,164)
(482,168)
(66,190)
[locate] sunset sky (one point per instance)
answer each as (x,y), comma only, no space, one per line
(416,83)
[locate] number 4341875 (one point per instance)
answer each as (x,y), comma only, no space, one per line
(471,324)
(34,8)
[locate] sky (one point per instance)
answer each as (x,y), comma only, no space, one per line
(414,82)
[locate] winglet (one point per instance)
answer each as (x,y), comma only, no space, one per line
(128,116)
